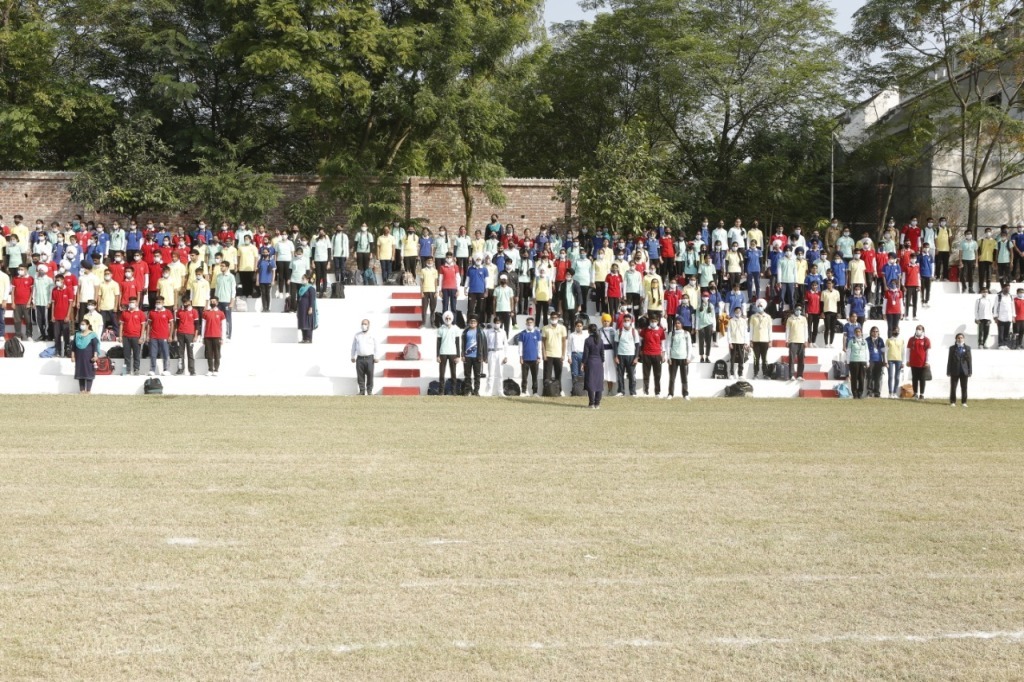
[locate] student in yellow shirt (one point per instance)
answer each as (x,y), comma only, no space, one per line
(248,254)
(428,291)
(553,338)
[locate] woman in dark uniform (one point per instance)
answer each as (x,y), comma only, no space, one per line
(306,309)
(84,355)
(593,366)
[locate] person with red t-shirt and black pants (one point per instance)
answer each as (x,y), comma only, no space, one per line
(917,360)
(133,324)
(652,354)
(160,319)
(22,287)
(60,313)
(185,333)
(213,333)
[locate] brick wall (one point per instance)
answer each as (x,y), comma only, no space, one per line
(529,202)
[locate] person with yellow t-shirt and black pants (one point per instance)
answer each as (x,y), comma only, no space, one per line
(553,340)
(428,292)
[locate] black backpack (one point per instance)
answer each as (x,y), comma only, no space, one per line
(434,388)
(14,348)
(153,387)
(116,352)
(552,388)
(721,370)
(740,389)
(578,387)
(510,388)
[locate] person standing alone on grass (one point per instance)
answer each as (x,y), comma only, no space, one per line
(593,367)
(213,332)
(917,360)
(364,355)
(959,369)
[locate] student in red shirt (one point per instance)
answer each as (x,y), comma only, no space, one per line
(668,256)
(613,289)
(912,284)
(159,330)
(893,306)
(813,309)
(652,354)
(213,333)
(22,286)
(141,269)
(185,333)
(917,360)
(130,287)
(450,278)
(154,272)
(133,323)
(881,260)
(61,299)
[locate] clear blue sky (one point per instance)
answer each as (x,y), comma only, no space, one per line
(569,10)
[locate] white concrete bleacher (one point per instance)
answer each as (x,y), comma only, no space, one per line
(265,358)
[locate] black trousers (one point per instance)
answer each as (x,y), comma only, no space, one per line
(284,273)
(983,326)
(61,334)
(926,290)
(967,276)
(446,362)
(247,280)
(132,353)
(760,355)
(736,358)
(813,324)
(830,328)
(471,370)
(651,364)
(529,369)
(320,267)
(942,265)
(953,381)
(679,366)
(553,371)
(796,359)
(875,378)
(265,297)
(185,355)
(705,335)
(911,302)
(984,273)
(212,346)
(857,371)
(917,380)
(429,304)
(364,374)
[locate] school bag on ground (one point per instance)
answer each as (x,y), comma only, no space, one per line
(116,352)
(368,276)
(770,369)
(840,369)
(740,389)
(14,348)
(104,366)
(843,390)
(153,387)
(49,352)
(552,389)
(510,388)
(434,388)
(108,335)
(782,372)
(578,387)
(411,352)
(241,306)
(720,370)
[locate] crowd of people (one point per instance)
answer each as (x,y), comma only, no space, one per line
(665,296)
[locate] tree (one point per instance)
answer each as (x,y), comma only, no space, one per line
(130,173)
(622,190)
(309,213)
(963,60)
(226,189)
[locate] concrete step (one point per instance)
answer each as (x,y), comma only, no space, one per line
(815,376)
(402,340)
(808,360)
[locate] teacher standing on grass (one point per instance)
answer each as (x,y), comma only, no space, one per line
(959,369)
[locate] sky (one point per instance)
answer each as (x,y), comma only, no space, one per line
(557,11)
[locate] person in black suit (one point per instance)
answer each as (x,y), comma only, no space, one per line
(959,369)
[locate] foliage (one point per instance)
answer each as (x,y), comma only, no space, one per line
(309,213)
(226,189)
(130,173)
(622,190)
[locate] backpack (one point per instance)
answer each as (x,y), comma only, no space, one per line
(840,370)
(875,313)
(578,387)
(510,388)
(241,306)
(453,387)
(116,352)
(104,366)
(49,352)
(552,389)
(721,370)
(14,348)
(289,306)
(338,290)
(782,372)
(408,279)
(153,387)
(108,335)
(411,352)
(434,388)
(770,369)
(740,389)
(843,390)
(368,276)
(837,327)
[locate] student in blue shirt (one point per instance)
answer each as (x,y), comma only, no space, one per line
(476,288)
(926,263)
(528,341)
(857,304)
(892,270)
(838,269)
(265,268)
(474,354)
(753,270)
(876,362)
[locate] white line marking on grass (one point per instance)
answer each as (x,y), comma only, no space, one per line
(441,541)
(1011,635)
(187,542)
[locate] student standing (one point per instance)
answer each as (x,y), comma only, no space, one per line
(680,349)
(474,356)
(528,341)
(364,356)
(895,351)
(133,322)
(428,279)
(496,339)
(185,320)
(858,355)
(159,332)
(305,310)
(626,356)
(917,360)
(555,340)
(593,367)
(213,332)
(449,340)
(739,341)
(959,369)
(796,340)
(85,353)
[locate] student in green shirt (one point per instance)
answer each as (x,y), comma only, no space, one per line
(449,352)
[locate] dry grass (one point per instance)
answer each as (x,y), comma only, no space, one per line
(470,539)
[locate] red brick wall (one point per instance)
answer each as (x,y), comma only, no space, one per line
(529,202)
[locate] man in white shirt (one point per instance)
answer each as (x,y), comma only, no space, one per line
(497,358)
(364,355)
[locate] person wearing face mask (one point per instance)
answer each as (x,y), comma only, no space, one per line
(365,352)
(895,356)
(22,286)
(1004,255)
(554,341)
(85,354)
(926,264)
(1018,325)
(305,308)
(364,246)
(943,242)
(760,338)
(858,356)
(986,256)
(968,260)
(41,291)
(213,333)
(917,359)
(449,351)
(626,356)
(1017,239)
(133,324)
(912,284)
(845,246)
(788,278)
(185,320)
(159,332)
(593,367)
(983,317)
(1004,312)
(739,342)
(796,341)
(451,279)
(893,305)
(707,318)
(877,362)
(529,342)
(442,245)
(959,368)
(61,315)
(199,294)
(911,232)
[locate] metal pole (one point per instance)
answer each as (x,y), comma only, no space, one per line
(832,180)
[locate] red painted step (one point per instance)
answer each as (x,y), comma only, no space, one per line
(402,339)
(808,360)
(407,295)
(779,328)
(406,310)
(814,393)
(400,390)
(816,376)
(395,373)
(403,324)
(779,343)
(393,355)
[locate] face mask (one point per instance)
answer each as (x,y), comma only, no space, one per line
(107,278)
(132,306)
(919,333)
(759,309)
(627,325)
(797,313)
(365,327)
(83,327)
(129,275)
(60,285)
(529,327)
(159,306)
(913,223)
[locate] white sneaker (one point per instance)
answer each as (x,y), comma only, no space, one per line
(216,374)
(209,374)
(561,394)
(952,404)
(964,405)
(668,397)
(619,395)
(686,397)
(165,373)
(152,374)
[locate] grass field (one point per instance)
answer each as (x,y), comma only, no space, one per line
(472,539)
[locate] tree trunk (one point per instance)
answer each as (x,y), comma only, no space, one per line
(467,198)
(888,205)
(972,211)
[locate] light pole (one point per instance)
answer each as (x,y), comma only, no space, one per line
(832,177)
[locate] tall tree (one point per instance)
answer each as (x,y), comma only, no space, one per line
(226,189)
(962,59)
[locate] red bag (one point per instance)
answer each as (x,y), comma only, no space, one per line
(104,366)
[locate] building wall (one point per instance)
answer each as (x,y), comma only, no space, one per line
(530,202)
